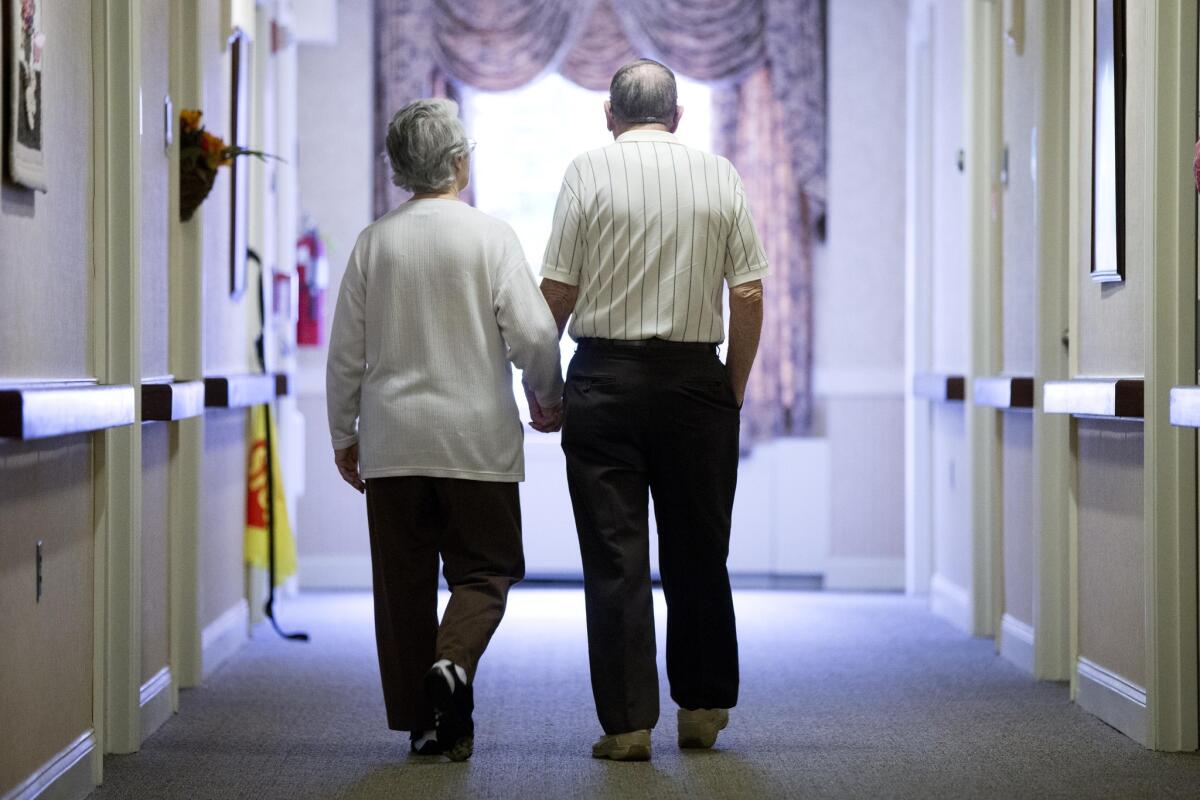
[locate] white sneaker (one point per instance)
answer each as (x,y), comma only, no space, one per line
(632,746)
(699,728)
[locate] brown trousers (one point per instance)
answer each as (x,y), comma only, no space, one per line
(475,526)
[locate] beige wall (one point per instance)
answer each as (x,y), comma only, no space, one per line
(867,470)
(46,657)
(858,352)
(951,495)
(230,327)
(1112,619)
(228,330)
(1111,339)
(46,265)
(155,69)
(46,487)
(1022,98)
(156,445)
(222,513)
(950,266)
(335,160)
(1017,511)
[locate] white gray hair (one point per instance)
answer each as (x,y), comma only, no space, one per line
(643,91)
(423,139)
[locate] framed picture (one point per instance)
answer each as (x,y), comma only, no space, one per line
(27,45)
(239,172)
(1108,143)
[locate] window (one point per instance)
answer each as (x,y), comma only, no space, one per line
(526,140)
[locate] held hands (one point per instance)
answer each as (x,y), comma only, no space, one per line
(544,420)
(347,464)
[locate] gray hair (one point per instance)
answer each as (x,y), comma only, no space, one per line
(423,139)
(643,92)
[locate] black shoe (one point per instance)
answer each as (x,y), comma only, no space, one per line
(454,702)
(425,747)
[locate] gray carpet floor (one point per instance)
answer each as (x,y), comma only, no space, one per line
(843,696)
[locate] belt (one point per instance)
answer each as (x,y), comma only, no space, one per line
(645,345)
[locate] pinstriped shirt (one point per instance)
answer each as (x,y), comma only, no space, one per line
(650,230)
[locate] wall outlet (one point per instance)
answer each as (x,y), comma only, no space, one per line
(39,570)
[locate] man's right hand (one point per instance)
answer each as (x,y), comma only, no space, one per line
(544,420)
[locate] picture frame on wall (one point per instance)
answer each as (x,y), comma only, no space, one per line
(239,172)
(26,57)
(1108,143)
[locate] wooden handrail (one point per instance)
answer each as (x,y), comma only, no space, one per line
(39,411)
(1102,398)
(939,386)
(1004,391)
(172,400)
(238,391)
(1185,406)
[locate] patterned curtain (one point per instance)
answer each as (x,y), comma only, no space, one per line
(765,57)
(751,132)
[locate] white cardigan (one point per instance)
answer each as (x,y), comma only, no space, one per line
(436,301)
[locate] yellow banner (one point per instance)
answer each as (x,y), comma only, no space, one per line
(256,502)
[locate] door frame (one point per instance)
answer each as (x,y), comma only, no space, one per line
(918,333)
(982,54)
(1053,464)
(186,336)
(116,226)
(1170,486)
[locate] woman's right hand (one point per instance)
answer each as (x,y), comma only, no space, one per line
(544,420)
(347,464)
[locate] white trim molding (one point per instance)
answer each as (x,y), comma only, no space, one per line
(1167,201)
(918,326)
(1052,461)
(984,143)
(335,572)
(1017,642)
(1115,700)
(951,602)
(224,636)
(156,702)
(864,574)
(67,776)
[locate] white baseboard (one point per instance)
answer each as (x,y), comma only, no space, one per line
(1016,642)
(1112,698)
(224,636)
(67,776)
(864,574)
(951,602)
(335,572)
(155,702)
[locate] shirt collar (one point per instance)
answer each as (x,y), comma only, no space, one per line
(647,135)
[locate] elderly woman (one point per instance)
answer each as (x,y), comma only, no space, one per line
(436,301)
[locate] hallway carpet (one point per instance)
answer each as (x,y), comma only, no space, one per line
(844,696)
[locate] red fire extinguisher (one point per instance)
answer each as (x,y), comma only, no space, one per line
(313,272)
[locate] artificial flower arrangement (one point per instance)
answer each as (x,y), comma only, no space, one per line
(201,154)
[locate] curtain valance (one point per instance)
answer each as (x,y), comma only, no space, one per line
(498,45)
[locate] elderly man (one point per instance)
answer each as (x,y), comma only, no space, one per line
(645,233)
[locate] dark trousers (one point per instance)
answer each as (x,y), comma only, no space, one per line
(475,526)
(655,418)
